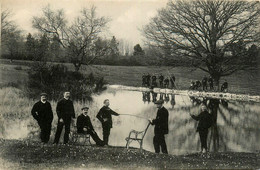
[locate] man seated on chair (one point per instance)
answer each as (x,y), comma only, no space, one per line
(84,126)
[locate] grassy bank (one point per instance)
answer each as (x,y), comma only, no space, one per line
(33,155)
(240,82)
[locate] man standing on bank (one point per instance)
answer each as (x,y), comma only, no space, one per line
(42,112)
(105,117)
(205,122)
(161,128)
(65,111)
(84,126)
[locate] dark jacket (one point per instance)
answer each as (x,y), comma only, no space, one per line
(44,113)
(65,109)
(172,79)
(205,81)
(161,78)
(210,80)
(205,120)
(161,122)
(84,122)
(106,112)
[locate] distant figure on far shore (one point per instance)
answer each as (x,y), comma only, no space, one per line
(166,82)
(192,85)
(161,79)
(154,82)
(197,85)
(224,87)
(144,80)
(205,83)
(148,80)
(172,80)
(210,81)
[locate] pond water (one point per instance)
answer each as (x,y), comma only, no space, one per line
(237,123)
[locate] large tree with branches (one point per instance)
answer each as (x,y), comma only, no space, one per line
(204,31)
(79,38)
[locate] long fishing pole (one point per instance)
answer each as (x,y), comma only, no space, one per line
(135,116)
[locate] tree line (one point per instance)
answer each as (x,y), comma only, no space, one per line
(219,37)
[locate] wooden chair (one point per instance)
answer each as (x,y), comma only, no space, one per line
(136,136)
(76,137)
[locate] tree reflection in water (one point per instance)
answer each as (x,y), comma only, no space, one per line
(235,123)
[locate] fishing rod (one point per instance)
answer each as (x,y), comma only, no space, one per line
(135,116)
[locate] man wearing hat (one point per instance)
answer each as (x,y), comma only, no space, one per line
(84,126)
(161,127)
(42,112)
(65,112)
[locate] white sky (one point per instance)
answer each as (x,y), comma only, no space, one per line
(128,16)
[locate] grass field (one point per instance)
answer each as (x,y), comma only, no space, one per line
(247,82)
(32,155)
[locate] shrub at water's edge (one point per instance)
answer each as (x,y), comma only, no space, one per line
(55,79)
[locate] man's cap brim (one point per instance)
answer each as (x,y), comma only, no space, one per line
(83,108)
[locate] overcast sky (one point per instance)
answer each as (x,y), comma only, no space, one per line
(128,16)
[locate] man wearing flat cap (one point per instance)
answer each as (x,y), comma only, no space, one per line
(161,128)
(84,126)
(42,112)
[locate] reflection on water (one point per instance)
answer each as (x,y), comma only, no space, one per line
(236,126)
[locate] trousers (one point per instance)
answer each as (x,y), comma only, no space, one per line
(45,132)
(159,143)
(95,137)
(106,133)
(203,139)
(60,125)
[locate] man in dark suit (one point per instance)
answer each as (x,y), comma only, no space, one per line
(84,126)
(161,78)
(161,128)
(105,117)
(42,112)
(65,111)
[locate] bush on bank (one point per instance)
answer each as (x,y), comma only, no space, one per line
(55,79)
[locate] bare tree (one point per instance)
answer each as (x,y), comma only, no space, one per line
(204,31)
(78,38)
(10,34)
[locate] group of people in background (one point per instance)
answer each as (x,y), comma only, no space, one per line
(207,84)
(163,81)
